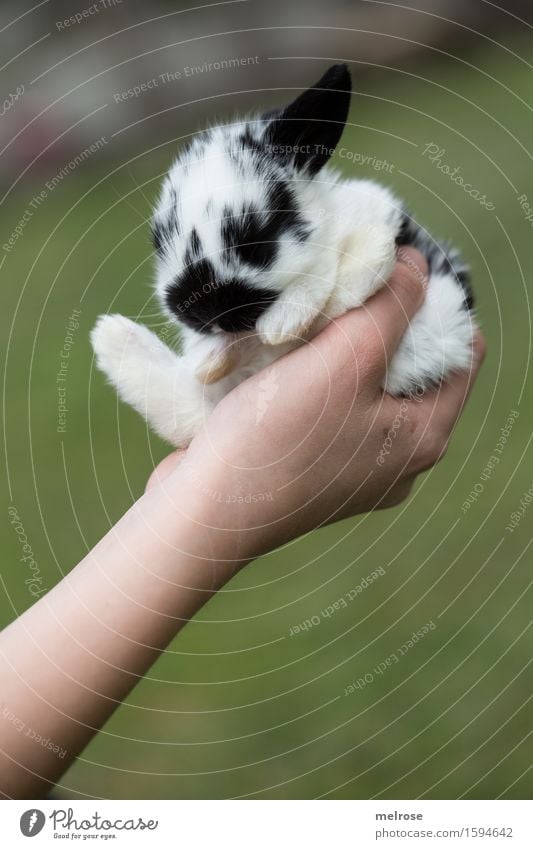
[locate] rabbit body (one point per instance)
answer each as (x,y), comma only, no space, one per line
(259,244)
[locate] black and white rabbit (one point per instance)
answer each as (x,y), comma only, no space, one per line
(259,243)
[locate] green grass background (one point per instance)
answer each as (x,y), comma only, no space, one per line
(236,706)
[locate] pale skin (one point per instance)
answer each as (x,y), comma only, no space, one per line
(69,661)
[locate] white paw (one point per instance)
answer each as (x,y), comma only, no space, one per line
(367,259)
(111,337)
(290,324)
(120,343)
(108,338)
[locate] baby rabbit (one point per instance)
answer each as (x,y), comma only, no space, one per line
(258,245)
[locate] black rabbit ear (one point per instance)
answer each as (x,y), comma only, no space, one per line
(307,131)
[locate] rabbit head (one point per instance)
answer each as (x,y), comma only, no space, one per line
(234,224)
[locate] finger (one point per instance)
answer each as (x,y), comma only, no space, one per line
(375,330)
(165,468)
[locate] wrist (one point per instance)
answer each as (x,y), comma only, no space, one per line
(225,511)
(210,526)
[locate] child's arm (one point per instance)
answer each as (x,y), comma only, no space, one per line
(242,489)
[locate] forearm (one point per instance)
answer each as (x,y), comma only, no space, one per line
(69,661)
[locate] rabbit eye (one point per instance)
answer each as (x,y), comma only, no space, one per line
(250,237)
(252,234)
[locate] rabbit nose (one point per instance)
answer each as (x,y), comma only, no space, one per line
(238,318)
(230,306)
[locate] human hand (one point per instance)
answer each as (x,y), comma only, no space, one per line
(313,438)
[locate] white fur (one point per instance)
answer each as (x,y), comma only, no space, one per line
(348,255)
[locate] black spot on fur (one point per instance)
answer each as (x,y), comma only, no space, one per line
(247,141)
(441,258)
(157,236)
(230,305)
(248,237)
(195,246)
(252,235)
(283,210)
(163,232)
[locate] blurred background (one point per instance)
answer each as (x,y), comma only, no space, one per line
(242,704)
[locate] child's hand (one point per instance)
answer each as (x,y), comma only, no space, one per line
(313,438)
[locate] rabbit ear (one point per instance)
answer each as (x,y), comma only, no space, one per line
(306,132)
